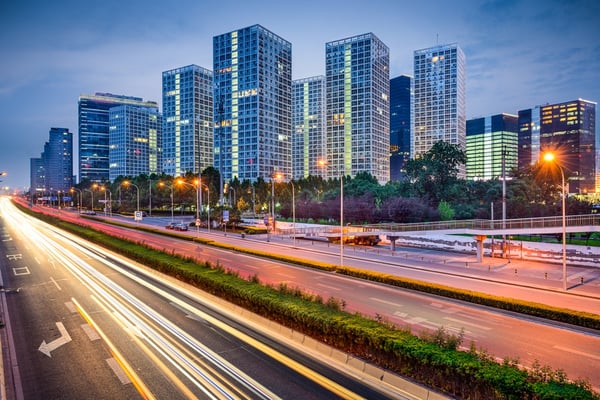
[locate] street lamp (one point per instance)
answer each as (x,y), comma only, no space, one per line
(197,186)
(80,197)
(127,183)
(551,158)
(322,164)
(207,205)
(109,201)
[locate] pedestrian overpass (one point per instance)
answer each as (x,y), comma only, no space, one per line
(480,229)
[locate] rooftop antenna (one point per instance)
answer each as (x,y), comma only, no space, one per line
(437,39)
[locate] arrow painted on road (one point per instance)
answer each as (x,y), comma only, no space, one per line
(64,338)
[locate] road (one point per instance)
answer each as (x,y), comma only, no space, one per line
(85,323)
(574,350)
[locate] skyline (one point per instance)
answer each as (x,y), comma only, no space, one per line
(519,54)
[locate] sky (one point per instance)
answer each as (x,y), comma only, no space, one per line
(519,53)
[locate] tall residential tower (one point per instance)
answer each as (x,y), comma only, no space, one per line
(439,108)
(309,126)
(252,104)
(400,98)
(358,107)
(187,132)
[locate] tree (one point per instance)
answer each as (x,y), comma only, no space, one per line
(434,172)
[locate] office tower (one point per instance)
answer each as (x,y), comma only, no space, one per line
(308,139)
(253,104)
(37,176)
(439,111)
(492,146)
(400,99)
(58,160)
(358,108)
(93,132)
(569,129)
(187,120)
(529,136)
(134,140)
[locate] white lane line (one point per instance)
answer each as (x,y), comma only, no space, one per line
(90,332)
(114,365)
(55,283)
(328,287)
(461,322)
(70,306)
(581,353)
(390,303)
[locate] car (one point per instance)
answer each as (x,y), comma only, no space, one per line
(171,225)
(181,227)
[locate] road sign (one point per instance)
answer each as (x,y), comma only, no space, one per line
(225,215)
(198,221)
(137,215)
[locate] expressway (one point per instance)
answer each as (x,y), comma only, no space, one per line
(571,349)
(82,322)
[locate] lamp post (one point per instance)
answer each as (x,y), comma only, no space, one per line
(197,186)
(323,163)
(80,197)
(551,157)
(149,197)
(293,212)
(207,206)
(127,183)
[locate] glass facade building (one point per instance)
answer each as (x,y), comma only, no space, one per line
(529,136)
(187,132)
(134,141)
(53,171)
(439,108)
(93,132)
(492,142)
(252,104)
(400,98)
(569,129)
(308,140)
(358,108)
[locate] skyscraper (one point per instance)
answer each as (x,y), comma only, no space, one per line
(569,129)
(53,171)
(358,108)
(187,120)
(439,98)
(400,99)
(252,104)
(492,143)
(308,144)
(134,141)
(93,132)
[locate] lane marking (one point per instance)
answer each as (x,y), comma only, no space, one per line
(329,287)
(461,322)
(390,303)
(581,353)
(48,348)
(55,283)
(90,332)
(21,271)
(117,370)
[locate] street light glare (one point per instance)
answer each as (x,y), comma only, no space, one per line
(549,156)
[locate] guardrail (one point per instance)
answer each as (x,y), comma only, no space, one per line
(486,224)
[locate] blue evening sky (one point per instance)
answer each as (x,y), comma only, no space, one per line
(519,53)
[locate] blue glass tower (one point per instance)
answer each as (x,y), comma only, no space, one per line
(400,98)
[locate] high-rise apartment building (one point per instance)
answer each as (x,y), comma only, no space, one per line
(93,132)
(187,94)
(569,129)
(492,146)
(53,171)
(400,99)
(439,108)
(308,139)
(252,104)
(134,141)
(358,107)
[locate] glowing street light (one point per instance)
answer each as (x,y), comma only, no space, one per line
(162,184)
(127,183)
(197,186)
(72,190)
(550,157)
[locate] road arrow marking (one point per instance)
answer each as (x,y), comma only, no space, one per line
(64,338)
